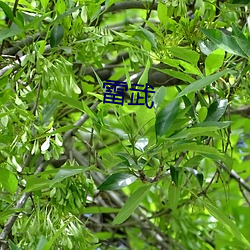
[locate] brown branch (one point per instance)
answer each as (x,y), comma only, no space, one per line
(243,111)
(21,44)
(16,64)
(148,14)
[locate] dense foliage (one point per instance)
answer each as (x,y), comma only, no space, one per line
(79,173)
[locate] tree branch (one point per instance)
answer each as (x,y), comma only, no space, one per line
(80,122)
(236,177)
(20,203)
(21,44)
(16,63)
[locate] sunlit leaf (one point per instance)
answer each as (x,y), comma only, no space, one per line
(185,54)
(223,41)
(8,180)
(117,181)
(214,61)
(173,196)
(162,12)
(216,110)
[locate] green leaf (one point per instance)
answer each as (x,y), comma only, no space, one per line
(8,180)
(197,85)
(177,74)
(227,223)
(49,110)
(193,132)
(34,183)
(56,35)
(216,110)
(186,54)
(56,131)
(49,244)
(238,33)
(7,10)
(68,12)
(194,161)
(9,211)
(36,21)
(44,3)
(198,175)
(159,96)
(174,172)
(245,2)
(202,114)
(13,246)
(241,40)
(244,45)
(189,68)
(223,41)
(147,35)
(204,150)
(173,196)
(219,125)
(166,117)
(132,203)
(41,243)
(66,172)
(117,181)
(68,100)
(188,105)
(99,210)
(162,12)
(9,32)
(144,77)
(207,46)
(214,61)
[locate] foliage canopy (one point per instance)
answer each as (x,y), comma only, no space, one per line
(78,173)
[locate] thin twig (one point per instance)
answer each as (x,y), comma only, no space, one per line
(21,44)
(148,14)
(37,97)
(244,195)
